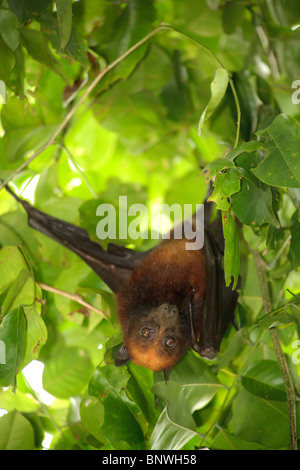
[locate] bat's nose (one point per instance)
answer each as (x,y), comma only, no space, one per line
(170,310)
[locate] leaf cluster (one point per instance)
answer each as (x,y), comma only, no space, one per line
(152,100)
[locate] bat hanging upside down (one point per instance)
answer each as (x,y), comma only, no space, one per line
(168,299)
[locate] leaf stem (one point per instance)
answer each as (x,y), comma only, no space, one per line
(289,386)
(238,112)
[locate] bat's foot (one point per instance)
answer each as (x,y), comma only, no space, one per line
(209,352)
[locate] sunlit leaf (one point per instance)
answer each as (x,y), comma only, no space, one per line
(38,48)
(64,15)
(28,9)
(253,204)
(16,432)
(294,253)
(218,89)
(263,378)
(116,423)
(13,330)
(259,420)
(67,373)
(281,164)
(231,255)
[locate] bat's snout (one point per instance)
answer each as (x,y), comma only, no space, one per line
(169,311)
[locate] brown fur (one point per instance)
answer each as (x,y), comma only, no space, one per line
(170,274)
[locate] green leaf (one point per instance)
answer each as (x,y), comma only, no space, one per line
(92,414)
(28,9)
(281,166)
(36,335)
(15,399)
(294,252)
(7,61)
(21,141)
(11,263)
(67,372)
(175,95)
(264,379)
(281,317)
(229,182)
(286,13)
(226,441)
(253,204)
(16,432)
(225,184)
(216,166)
(139,389)
(64,16)
(248,102)
(9,29)
(14,291)
(197,18)
(116,424)
(239,341)
(175,426)
(249,147)
(76,46)
(135,134)
(23,292)
(265,422)
(13,331)
(123,29)
(232,16)
(218,89)
(17,76)
(199,391)
(231,255)
(38,48)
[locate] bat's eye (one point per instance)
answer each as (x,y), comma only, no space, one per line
(146,332)
(170,342)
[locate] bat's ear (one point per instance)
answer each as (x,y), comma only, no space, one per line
(122,356)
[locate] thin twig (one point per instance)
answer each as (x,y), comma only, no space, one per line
(289,386)
(77,298)
(238,112)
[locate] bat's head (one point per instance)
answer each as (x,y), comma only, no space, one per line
(155,338)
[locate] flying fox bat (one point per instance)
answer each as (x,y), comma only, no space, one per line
(168,298)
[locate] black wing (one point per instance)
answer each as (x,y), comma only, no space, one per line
(113,266)
(220,301)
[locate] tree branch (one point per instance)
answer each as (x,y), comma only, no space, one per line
(77,298)
(289,386)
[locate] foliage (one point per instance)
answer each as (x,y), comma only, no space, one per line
(207,91)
